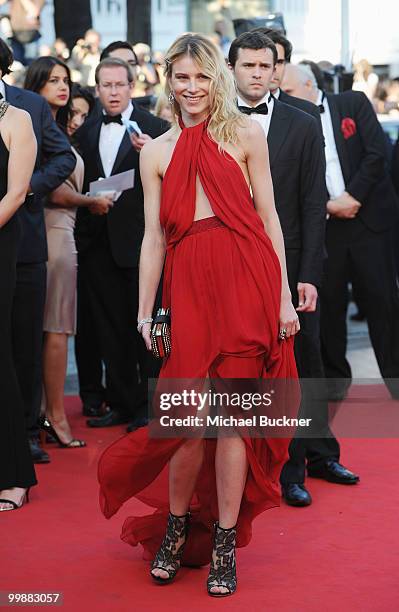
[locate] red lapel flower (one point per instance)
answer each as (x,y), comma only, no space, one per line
(348,127)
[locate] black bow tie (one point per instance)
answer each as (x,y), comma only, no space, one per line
(259,110)
(321,105)
(112,119)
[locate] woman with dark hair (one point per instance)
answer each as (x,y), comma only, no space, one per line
(82,104)
(50,77)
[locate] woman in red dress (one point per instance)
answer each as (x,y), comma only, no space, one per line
(226,284)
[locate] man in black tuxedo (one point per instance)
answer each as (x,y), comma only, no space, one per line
(297,168)
(109,247)
(87,350)
(54,163)
(363,209)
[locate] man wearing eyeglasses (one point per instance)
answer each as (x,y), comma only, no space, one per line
(109,246)
(87,351)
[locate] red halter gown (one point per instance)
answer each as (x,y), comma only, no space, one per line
(223,284)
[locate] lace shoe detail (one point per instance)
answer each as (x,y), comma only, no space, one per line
(222,572)
(169,555)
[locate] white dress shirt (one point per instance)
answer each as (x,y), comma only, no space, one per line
(263,120)
(334,177)
(111,136)
(2,89)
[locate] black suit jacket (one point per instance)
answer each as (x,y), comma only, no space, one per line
(303,105)
(395,166)
(55,162)
(363,159)
(124,223)
(297,165)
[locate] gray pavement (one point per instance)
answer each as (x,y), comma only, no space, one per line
(360,355)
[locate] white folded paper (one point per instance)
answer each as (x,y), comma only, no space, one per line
(116,183)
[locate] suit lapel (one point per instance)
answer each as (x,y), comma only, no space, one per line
(125,148)
(278,130)
(338,136)
(95,135)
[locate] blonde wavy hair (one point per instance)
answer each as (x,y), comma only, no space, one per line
(224,116)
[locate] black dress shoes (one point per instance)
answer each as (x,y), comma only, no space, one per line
(296,495)
(332,471)
(109,419)
(136,424)
(38,454)
(94,411)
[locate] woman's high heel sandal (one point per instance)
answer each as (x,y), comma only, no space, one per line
(222,573)
(46,426)
(169,555)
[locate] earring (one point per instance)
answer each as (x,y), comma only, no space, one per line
(171,98)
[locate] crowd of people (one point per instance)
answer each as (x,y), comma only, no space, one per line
(246,272)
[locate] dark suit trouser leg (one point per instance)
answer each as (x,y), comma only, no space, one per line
(27,334)
(375,277)
(113,294)
(87,347)
(334,305)
(313,405)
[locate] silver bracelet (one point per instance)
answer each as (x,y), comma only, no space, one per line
(143,322)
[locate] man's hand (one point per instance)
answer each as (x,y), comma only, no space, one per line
(101,205)
(138,142)
(307,295)
(344,207)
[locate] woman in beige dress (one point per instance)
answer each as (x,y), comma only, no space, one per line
(50,77)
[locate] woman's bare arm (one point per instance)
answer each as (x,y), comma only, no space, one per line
(18,135)
(66,197)
(153,247)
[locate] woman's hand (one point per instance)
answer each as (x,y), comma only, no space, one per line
(289,322)
(146,333)
(101,205)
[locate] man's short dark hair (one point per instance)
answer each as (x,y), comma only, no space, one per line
(279,39)
(251,40)
(113,62)
(6,58)
(114,46)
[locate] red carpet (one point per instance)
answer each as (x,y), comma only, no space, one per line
(341,553)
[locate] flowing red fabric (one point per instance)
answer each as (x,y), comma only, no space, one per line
(223,284)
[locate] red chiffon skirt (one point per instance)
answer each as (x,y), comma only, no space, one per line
(217,315)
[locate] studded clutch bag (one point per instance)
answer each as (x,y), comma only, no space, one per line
(160,334)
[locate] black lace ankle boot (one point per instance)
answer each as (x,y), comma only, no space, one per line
(169,555)
(222,572)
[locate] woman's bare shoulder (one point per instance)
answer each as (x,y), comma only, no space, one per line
(164,139)
(18,117)
(157,148)
(249,129)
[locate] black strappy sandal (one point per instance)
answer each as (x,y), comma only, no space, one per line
(169,555)
(46,426)
(222,572)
